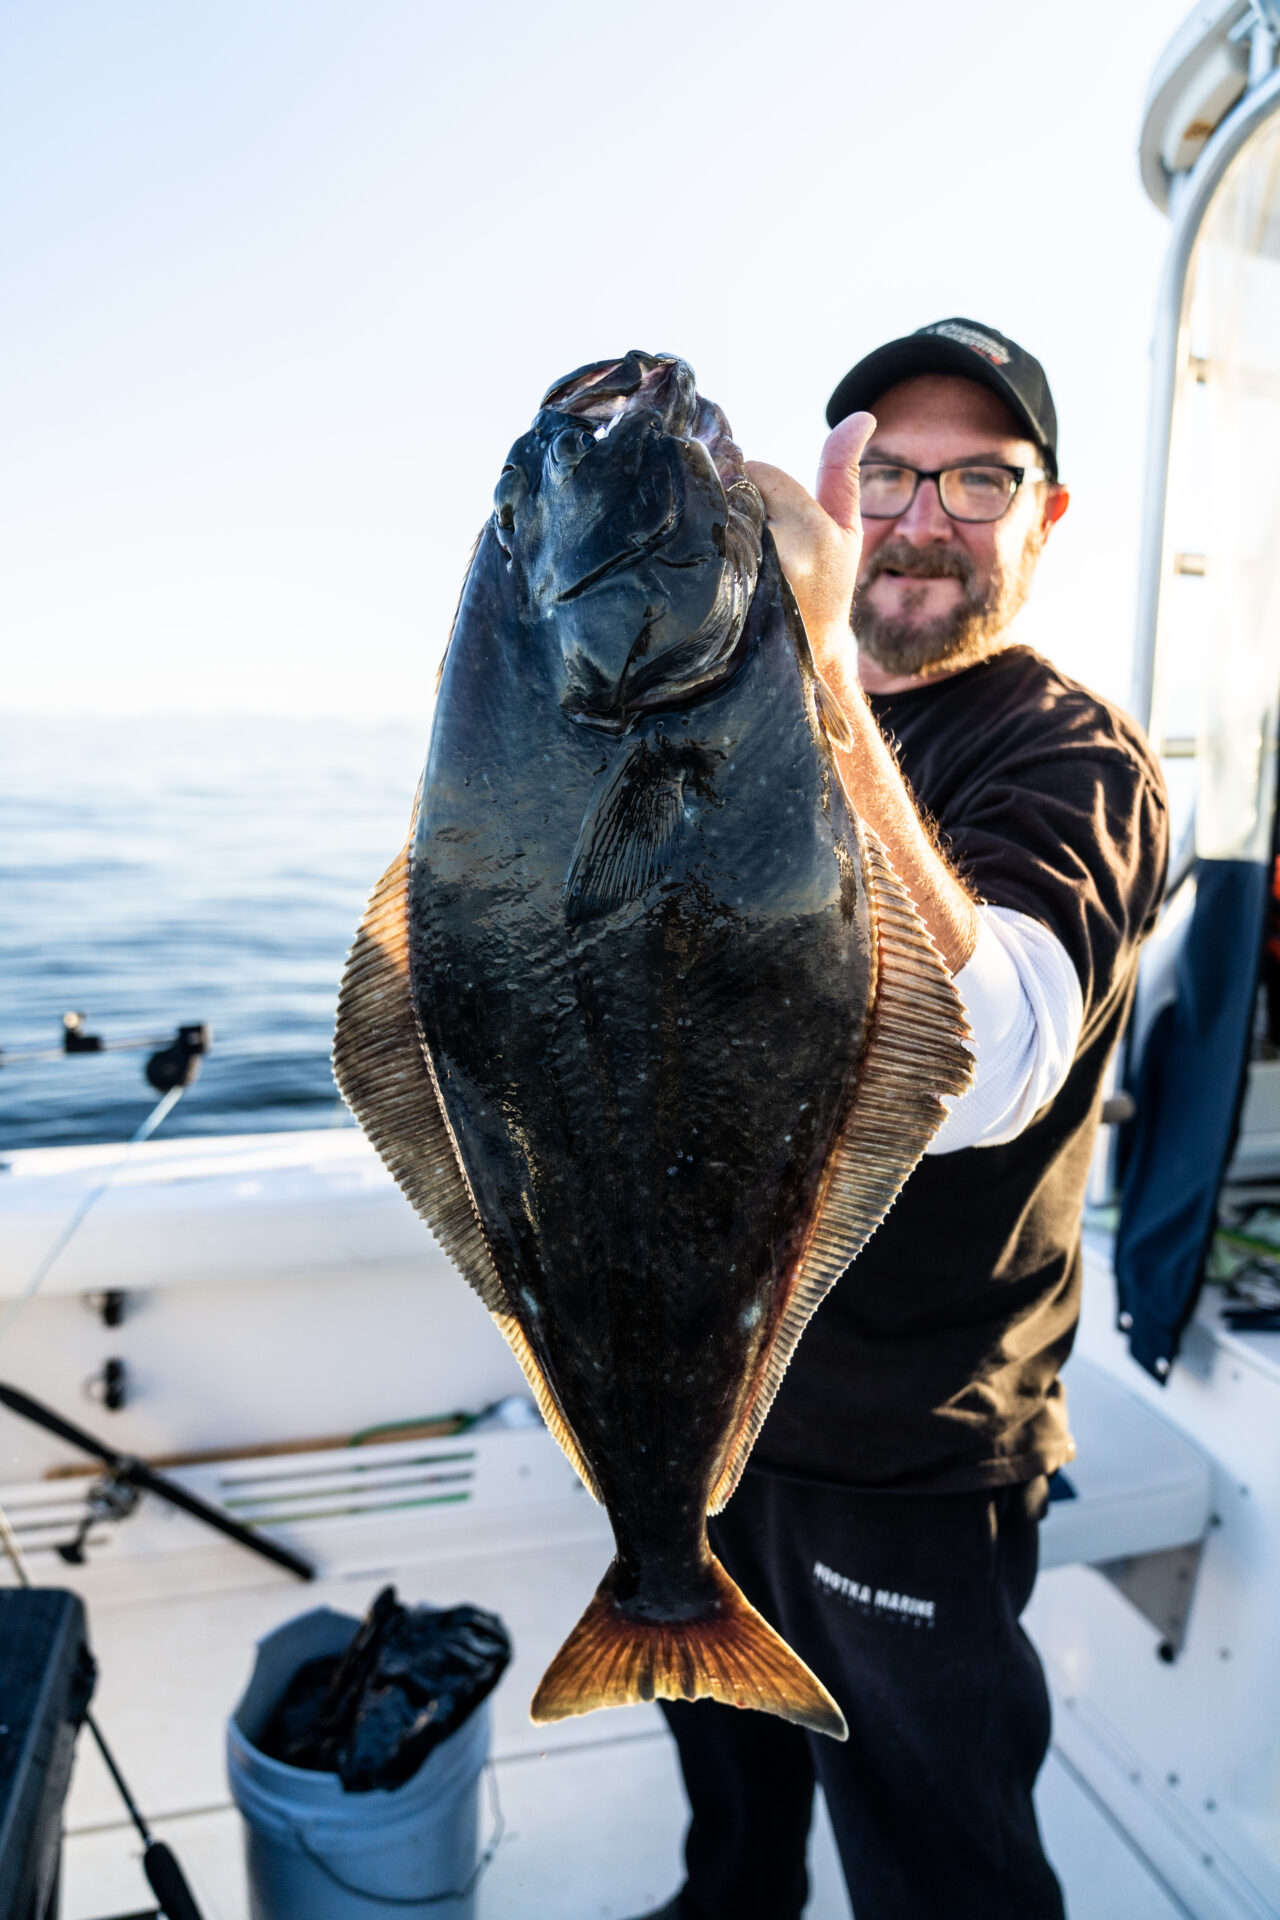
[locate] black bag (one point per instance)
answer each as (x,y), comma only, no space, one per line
(410,1677)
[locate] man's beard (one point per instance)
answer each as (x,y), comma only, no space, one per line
(976,626)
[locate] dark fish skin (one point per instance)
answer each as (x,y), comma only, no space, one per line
(649,969)
(644,1099)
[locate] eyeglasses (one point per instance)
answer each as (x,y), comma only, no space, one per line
(966,493)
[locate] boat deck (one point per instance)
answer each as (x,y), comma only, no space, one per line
(593,1810)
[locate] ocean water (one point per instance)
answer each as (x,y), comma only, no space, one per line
(159,872)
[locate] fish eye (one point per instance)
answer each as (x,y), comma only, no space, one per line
(510,489)
(569,446)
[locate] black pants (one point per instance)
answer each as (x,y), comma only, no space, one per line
(906,1607)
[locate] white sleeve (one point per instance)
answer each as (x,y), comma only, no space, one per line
(1022,996)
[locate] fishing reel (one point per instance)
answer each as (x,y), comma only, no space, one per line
(178,1064)
(113,1497)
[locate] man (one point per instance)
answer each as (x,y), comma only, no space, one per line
(887,1522)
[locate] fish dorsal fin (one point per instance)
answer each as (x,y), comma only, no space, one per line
(628,832)
(384,1071)
(914,1052)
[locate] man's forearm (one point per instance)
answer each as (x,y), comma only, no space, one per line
(818,543)
(875,789)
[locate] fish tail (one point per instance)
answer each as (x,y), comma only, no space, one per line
(614,1658)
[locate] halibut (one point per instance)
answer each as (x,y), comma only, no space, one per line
(640,1018)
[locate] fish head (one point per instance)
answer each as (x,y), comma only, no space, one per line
(628,523)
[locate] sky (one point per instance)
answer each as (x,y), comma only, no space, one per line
(283,280)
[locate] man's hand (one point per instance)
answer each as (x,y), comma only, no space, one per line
(819,543)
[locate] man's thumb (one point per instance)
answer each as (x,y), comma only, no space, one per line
(837,488)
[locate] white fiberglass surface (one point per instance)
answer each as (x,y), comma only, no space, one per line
(1220,638)
(593,1833)
(593,1807)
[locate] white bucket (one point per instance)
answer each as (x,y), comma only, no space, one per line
(314,1851)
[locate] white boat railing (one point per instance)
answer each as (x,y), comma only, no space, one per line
(1190,197)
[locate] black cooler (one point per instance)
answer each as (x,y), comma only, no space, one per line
(46,1678)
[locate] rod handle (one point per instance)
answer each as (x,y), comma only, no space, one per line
(169,1883)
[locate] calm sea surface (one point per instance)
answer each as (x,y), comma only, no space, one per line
(165,871)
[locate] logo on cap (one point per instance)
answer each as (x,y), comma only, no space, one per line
(970,337)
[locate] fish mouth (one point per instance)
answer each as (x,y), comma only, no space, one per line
(661,383)
(606,389)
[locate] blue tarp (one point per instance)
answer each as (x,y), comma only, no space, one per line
(1189,1087)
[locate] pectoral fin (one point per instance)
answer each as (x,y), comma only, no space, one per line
(628,832)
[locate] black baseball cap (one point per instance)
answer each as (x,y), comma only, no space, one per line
(974,351)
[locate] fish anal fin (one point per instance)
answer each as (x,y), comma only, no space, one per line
(914,1052)
(547,1401)
(613,1658)
(384,1071)
(628,832)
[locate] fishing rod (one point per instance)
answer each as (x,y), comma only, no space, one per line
(164,1876)
(125,1474)
(170,1070)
